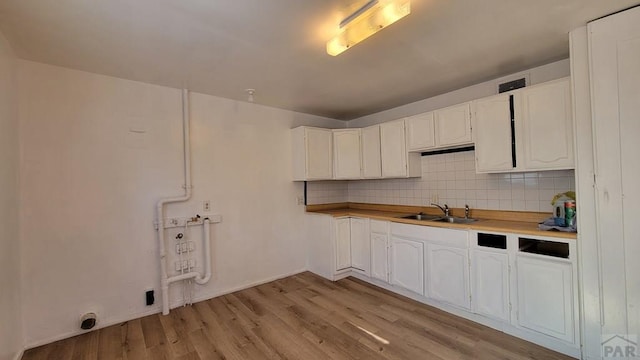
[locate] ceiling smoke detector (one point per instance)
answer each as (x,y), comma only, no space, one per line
(250,93)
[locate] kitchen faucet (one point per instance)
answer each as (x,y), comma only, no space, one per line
(444,209)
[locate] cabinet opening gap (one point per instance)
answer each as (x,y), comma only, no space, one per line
(448,151)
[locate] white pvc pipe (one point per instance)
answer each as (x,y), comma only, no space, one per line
(160,205)
(207,253)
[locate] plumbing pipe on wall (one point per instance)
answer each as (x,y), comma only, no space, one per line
(165,280)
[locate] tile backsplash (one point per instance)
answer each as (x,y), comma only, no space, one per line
(452,179)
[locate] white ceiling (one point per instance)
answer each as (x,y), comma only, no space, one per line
(221,47)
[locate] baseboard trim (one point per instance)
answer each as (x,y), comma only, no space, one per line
(157,309)
(215,294)
(19,355)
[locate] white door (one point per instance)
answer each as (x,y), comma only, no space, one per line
(360,245)
(319,152)
(545,296)
(547,126)
(346,154)
(448,275)
(393,149)
(492,134)
(420,132)
(380,256)
(615,79)
(371,162)
(490,284)
(343,243)
(407,264)
(453,125)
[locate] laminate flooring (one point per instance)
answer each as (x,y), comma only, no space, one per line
(300,317)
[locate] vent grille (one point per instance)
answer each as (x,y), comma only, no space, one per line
(512,85)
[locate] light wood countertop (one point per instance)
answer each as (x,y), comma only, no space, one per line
(497,221)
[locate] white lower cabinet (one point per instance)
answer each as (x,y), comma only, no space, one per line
(343,244)
(523,285)
(448,275)
(360,245)
(407,263)
(490,283)
(352,246)
(380,250)
(546,296)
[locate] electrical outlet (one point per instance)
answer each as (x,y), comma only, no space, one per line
(149,297)
(434,198)
(206,205)
(300,200)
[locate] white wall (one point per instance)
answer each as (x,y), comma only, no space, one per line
(556,70)
(10,308)
(89,185)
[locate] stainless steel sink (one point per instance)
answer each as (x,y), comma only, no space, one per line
(455,220)
(424,217)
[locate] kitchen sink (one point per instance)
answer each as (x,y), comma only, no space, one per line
(454,220)
(425,217)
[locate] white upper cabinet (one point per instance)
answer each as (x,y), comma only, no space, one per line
(493,134)
(393,149)
(312,153)
(547,126)
(346,154)
(396,161)
(453,125)
(420,132)
(371,162)
(540,137)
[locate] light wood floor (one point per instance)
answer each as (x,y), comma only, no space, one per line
(300,317)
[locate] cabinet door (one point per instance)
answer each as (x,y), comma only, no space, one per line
(490,284)
(547,126)
(346,154)
(360,245)
(420,132)
(448,275)
(379,256)
(407,264)
(492,134)
(371,162)
(453,125)
(319,164)
(545,297)
(343,244)
(393,149)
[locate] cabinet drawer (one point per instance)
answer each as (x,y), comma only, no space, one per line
(448,237)
(379,226)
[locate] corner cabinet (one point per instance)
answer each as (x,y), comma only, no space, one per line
(352,246)
(312,153)
(528,129)
(397,162)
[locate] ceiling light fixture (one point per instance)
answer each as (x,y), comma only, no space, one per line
(366,21)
